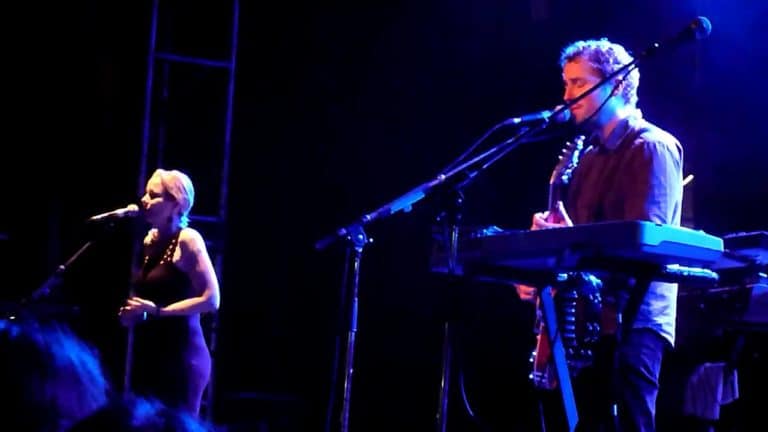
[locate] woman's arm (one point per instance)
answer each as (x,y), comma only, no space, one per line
(195,262)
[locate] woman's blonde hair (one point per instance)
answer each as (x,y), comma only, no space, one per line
(178,185)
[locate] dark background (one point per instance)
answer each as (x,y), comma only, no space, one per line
(339,108)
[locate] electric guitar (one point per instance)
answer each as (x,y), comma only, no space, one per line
(576,296)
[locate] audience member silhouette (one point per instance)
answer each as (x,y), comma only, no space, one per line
(139,414)
(51,377)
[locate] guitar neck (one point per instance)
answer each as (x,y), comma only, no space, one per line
(555,195)
(561,175)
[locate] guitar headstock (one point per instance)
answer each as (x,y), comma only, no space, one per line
(567,161)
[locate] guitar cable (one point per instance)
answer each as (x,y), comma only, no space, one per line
(465,400)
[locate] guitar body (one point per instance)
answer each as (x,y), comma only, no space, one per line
(576,296)
(543,373)
(579,315)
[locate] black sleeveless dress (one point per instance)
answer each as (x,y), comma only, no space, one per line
(170,361)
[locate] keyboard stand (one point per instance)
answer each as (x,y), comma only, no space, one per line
(558,358)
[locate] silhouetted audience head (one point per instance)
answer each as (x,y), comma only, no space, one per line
(50,377)
(138,414)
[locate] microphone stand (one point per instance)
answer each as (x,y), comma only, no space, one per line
(451,219)
(49,286)
(54,281)
(355,238)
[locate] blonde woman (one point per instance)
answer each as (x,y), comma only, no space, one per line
(176,283)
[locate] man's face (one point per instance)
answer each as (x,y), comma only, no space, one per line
(578,77)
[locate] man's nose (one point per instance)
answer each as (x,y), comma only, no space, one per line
(567,95)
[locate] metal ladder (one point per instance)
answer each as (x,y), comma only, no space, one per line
(164,143)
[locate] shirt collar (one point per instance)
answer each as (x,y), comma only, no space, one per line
(618,133)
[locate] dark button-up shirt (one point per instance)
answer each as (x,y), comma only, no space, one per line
(634,174)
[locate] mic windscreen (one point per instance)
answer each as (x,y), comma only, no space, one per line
(701,27)
(563,116)
(132,210)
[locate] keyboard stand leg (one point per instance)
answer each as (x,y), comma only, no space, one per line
(558,357)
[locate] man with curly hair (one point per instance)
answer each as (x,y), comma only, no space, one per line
(630,170)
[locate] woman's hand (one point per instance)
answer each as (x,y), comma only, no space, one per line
(136,309)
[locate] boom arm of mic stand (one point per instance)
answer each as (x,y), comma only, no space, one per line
(54,280)
(406,201)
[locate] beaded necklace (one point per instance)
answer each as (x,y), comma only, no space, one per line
(167,255)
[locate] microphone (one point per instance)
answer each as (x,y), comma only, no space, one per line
(699,28)
(546,115)
(131,210)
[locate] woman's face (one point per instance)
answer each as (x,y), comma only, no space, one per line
(159,206)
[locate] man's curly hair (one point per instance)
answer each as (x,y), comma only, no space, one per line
(605,57)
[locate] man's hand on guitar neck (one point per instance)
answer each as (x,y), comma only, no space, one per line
(526,293)
(555,218)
